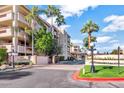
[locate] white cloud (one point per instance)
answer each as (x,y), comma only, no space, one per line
(103,39)
(107,48)
(74,10)
(110,47)
(114,41)
(77,42)
(110,18)
(64,27)
(115,46)
(49,20)
(109,43)
(116,23)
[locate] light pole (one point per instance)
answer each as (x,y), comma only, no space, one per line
(25,43)
(118,56)
(13,65)
(92,69)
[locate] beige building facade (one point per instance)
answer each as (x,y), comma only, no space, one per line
(12,31)
(12,25)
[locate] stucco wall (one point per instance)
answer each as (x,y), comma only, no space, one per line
(104,59)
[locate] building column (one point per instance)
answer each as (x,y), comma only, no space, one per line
(15,29)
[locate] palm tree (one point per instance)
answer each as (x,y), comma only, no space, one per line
(30,18)
(85,40)
(26,32)
(89,27)
(51,12)
(60,19)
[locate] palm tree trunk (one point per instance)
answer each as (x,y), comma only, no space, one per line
(89,40)
(32,37)
(25,44)
(32,43)
(52,24)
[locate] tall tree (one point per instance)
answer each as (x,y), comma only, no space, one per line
(26,33)
(85,41)
(60,19)
(54,12)
(43,42)
(115,51)
(89,27)
(31,17)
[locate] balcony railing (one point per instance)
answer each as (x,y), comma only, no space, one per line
(5,32)
(6,16)
(21,49)
(23,35)
(9,15)
(22,18)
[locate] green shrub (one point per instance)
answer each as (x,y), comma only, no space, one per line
(22,63)
(3,55)
(61,58)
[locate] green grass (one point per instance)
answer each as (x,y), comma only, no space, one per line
(103,71)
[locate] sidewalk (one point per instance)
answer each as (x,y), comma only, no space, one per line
(15,69)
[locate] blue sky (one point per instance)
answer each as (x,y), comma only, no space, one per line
(110,18)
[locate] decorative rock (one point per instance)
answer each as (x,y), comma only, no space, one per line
(3,67)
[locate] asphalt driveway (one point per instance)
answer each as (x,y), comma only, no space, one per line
(50,76)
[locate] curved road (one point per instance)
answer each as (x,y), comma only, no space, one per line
(51,76)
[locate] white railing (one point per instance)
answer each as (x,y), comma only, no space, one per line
(6,31)
(21,49)
(22,34)
(22,18)
(6,16)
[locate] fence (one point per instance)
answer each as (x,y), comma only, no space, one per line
(105,59)
(40,60)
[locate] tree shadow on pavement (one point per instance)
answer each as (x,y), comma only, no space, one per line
(14,75)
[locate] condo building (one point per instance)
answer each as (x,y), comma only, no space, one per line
(12,25)
(64,42)
(76,51)
(12,31)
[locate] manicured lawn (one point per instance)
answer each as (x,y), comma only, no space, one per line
(103,71)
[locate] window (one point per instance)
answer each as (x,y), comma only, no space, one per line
(2,15)
(75,49)
(3,31)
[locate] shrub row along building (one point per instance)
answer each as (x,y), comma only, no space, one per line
(13,36)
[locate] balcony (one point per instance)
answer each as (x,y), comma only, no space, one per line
(21,49)
(4,8)
(6,16)
(5,32)
(21,35)
(21,18)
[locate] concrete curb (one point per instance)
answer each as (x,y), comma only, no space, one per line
(76,76)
